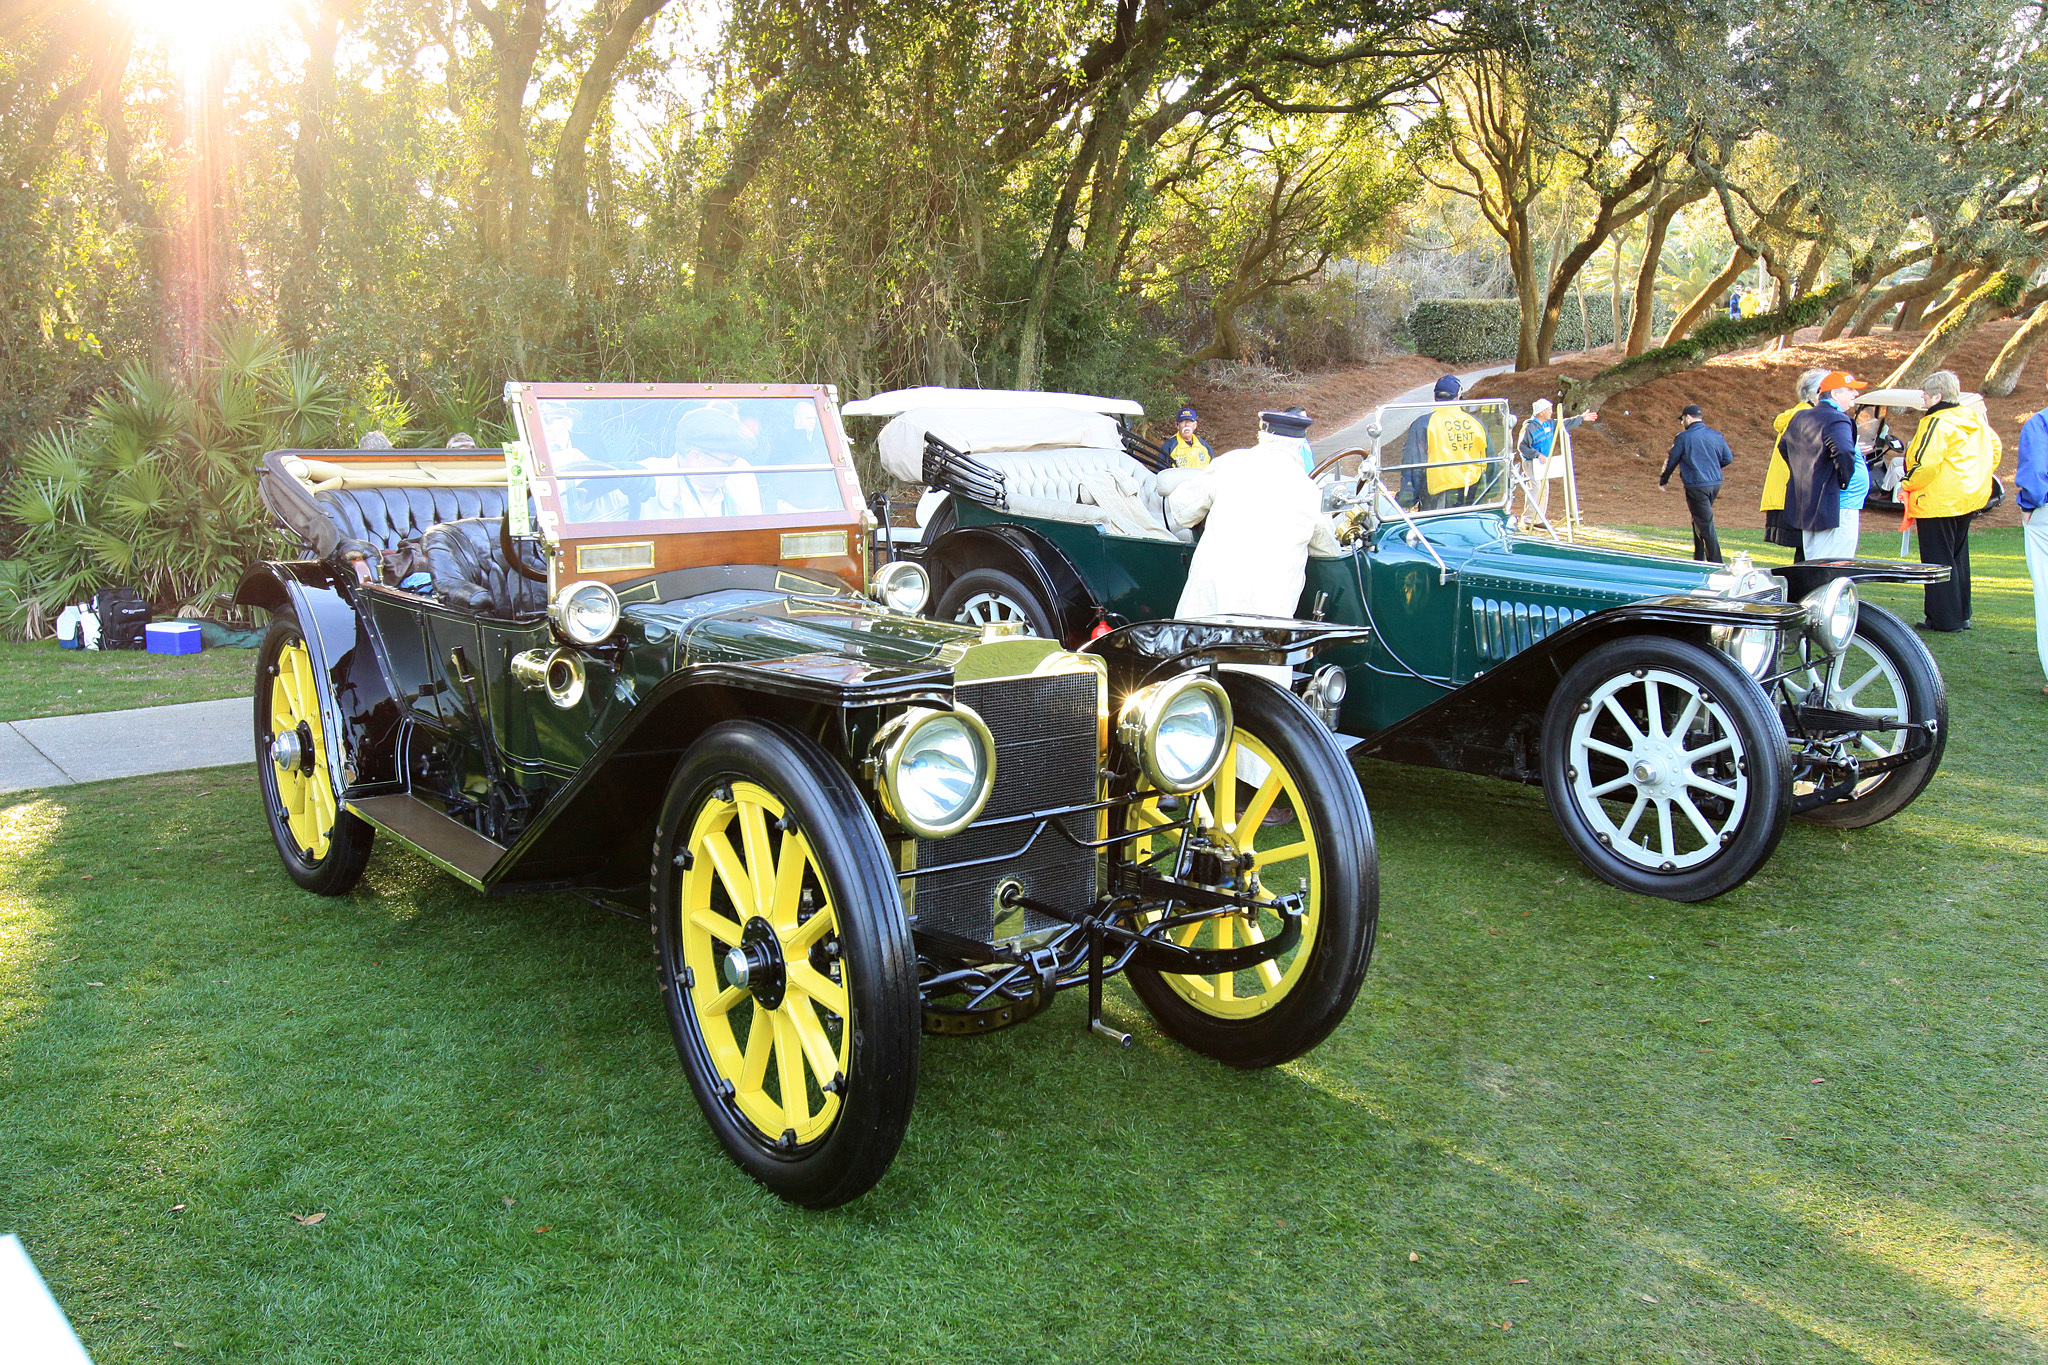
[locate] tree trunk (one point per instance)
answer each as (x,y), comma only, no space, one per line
(1614,291)
(2004,375)
(1718,337)
(1045,274)
(1939,273)
(321,27)
(718,237)
(1705,299)
(1645,311)
(1960,290)
(515,46)
(1994,296)
(1607,220)
(570,178)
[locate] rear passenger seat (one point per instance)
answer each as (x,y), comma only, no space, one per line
(385,518)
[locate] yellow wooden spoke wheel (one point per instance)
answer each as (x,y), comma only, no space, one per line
(761,940)
(324,847)
(1255,805)
(1285,795)
(786,962)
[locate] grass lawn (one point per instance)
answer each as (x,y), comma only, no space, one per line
(1802,1123)
(39,679)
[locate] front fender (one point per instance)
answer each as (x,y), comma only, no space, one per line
(332,633)
(1024,555)
(1492,725)
(1138,653)
(1801,579)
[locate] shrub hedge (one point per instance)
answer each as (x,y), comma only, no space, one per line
(1464,330)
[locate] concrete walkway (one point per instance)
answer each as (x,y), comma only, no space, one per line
(1346,438)
(58,750)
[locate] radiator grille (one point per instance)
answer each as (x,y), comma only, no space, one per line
(1501,628)
(1044,730)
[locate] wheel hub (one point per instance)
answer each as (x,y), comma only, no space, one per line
(292,750)
(755,964)
(1657,765)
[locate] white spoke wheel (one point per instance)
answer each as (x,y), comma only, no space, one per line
(1665,767)
(982,597)
(1886,673)
(785,962)
(323,847)
(1286,794)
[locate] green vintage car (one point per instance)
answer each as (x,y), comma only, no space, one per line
(1675,713)
(640,657)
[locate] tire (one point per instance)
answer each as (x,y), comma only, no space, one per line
(981,596)
(1888,672)
(826,1138)
(1272,1014)
(1592,763)
(323,847)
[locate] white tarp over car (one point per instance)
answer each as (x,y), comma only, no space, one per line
(932,396)
(983,429)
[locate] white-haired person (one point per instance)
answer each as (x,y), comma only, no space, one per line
(1949,463)
(1777,472)
(1538,442)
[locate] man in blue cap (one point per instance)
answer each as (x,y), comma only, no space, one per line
(1187,450)
(1452,437)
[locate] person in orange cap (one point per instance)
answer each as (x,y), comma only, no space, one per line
(1826,481)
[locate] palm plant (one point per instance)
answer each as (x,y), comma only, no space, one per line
(156,487)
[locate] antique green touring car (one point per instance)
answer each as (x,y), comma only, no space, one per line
(639,656)
(1675,713)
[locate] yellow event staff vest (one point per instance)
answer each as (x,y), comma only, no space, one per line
(1189,454)
(1454,435)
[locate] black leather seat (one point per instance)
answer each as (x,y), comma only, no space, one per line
(471,573)
(379,519)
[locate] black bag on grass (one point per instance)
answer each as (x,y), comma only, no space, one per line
(123,614)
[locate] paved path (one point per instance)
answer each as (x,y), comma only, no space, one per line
(58,750)
(1345,438)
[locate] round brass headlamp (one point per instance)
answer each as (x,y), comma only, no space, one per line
(1180,730)
(934,769)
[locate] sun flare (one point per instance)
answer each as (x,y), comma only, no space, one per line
(194,28)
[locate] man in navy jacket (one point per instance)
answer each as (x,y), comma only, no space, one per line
(1699,454)
(1819,446)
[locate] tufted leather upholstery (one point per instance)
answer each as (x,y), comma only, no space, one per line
(470,571)
(384,518)
(1056,476)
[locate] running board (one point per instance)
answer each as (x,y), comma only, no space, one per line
(453,847)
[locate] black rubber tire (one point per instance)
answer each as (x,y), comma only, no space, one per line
(953,602)
(1350,894)
(886,1021)
(1752,718)
(336,872)
(1926,698)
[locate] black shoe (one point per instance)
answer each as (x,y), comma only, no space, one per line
(1940,630)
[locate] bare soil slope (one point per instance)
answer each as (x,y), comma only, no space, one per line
(1619,458)
(1335,397)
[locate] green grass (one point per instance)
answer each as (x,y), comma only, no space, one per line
(1544,1079)
(39,679)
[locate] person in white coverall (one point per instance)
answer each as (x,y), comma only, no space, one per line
(1262,509)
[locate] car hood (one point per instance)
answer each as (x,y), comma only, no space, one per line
(739,625)
(1533,561)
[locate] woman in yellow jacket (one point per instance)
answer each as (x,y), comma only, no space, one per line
(1777,473)
(1949,463)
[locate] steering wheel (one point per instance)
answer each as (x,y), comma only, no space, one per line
(1336,459)
(513,557)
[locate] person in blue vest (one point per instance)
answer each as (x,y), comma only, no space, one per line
(1537,442)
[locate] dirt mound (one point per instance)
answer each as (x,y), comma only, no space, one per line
(1335,397)
(1619,458)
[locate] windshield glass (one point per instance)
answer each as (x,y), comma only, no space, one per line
(1437,457)
(669,459)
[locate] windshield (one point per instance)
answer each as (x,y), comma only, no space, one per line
(1437,457)
(622,460)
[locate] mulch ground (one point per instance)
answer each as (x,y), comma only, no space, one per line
(1335,397)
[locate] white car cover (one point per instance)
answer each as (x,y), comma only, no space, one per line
(901,443)
(1253,557)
